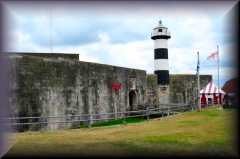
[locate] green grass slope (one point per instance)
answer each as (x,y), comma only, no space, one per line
(206,133)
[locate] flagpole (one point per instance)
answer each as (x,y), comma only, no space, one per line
(50,30)
(218,73)
(198,83)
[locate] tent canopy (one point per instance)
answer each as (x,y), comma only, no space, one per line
(211,88)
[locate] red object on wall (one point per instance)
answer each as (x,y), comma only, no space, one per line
(116,86)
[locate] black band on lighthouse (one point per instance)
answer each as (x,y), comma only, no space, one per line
(161,53)
(161,37)
(162,77)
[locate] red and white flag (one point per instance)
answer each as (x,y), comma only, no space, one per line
(213,55)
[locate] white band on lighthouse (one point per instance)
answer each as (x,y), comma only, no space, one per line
(161,64)
(160,43)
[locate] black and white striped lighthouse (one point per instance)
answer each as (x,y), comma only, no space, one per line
(160,35)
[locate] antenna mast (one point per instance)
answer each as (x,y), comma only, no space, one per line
(198,83)
(50,30)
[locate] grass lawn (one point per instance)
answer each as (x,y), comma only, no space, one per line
(206,133)
(128,120)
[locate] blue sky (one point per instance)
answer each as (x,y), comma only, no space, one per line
(120,34)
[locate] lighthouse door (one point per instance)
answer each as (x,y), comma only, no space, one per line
(132,99)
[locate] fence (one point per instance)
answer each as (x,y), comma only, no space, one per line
(162,109)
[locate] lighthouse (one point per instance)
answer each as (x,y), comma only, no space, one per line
(160,35)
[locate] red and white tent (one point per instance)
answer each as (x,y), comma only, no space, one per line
(211,94)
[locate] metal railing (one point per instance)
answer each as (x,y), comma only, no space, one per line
(162,109)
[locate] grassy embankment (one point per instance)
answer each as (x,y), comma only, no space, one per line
(209,132)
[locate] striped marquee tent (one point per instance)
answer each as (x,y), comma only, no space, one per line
(211,94)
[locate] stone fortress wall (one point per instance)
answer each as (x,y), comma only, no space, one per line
(182,88)
(60,85)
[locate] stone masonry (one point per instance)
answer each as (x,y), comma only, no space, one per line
(52,85)
(44,85)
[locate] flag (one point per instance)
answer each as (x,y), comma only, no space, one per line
(213,55)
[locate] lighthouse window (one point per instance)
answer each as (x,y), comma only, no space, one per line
(160,30)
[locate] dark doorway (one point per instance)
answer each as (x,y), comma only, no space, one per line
(209,101)
(132,99)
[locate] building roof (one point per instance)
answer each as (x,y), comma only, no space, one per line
(231,86)
(211,88)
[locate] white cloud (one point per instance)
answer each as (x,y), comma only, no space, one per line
(137,54)
(20,42)
(182,60)
(103,37)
